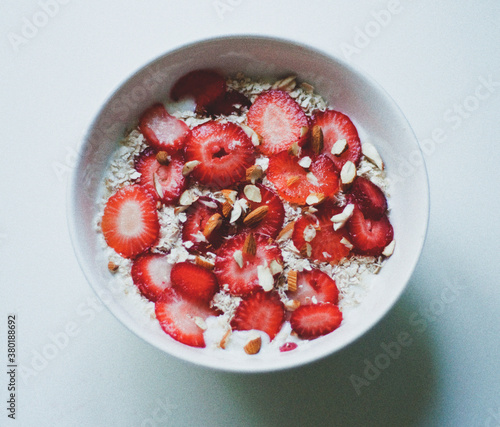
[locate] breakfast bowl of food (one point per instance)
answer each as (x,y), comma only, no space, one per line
(240,203)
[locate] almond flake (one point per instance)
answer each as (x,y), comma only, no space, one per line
(339,147)
(346,243)
(163,158)
(227,207)
(230,195)
(266,279)
(292,305)
(275,267)
(305,162)
(254,136)
(348,172)
(250,245)
(187,198)
(239,207)
(292,180)
(306,250)
(254,173)
(157,184)
(203,262)
(294,149)
(312,178)
(238,257)
(253,346)
(189,166)
(286,232)
(252,193)
(200,323)
(225,339)
(317,143)
(309,233)
(389,249)
(215,221)
(371,153)
(340,219)
(256,216)
(112,267)
(303,131)
(179,209)
(315,198)
(307,87)
(288,83)
(292,280)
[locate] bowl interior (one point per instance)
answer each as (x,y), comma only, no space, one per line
(374,113)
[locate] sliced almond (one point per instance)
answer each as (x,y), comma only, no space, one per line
(254,136)
(317,143)
(200,322)
(250,245)
(315,199)
(292,280)
(292,180)
(307,87)
(238,257)
(275,266)
(292,305)
(230,195)
(187,198)
(157,184)
(179,209)
(339,147)
(240,206)
(112,267)
(254,173)
(294,149)
(227,207)
(346,243)
(371,153)
(286,232)
(340,219)
(309,233)
(303,131)
(312,178)
(225,339)
(189,167)
(256,216)
(348,172)
(288,83)
(252,193)
(205,263)
(306,250)
(305,162)
(253,346)
(162,158)
(389,249)
(266,279)
(215,221)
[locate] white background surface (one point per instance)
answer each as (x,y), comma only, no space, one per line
(431,57)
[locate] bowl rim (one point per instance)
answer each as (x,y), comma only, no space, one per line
(211,363)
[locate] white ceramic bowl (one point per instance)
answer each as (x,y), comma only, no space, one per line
(377,118)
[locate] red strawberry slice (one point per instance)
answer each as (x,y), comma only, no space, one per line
(224,150)
(164,182)
(314,320)
(151,274)
(244,280)
(205,86)
(130,221)
(315,286)
(276,117)
(232,102)
(324,241)
(368,198)
(163,131)
(337,126)
(369,236)
(198,215)
(180,317)
(295,183)
(272,223)
(263,311)
(194,282)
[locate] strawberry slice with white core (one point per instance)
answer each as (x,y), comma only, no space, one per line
(224,151)
(240,270)
(193,281)
(130,221)
(262,311)
(295,183)
(163,131)
(368,198)
(151,274)
(337,126)
(164,182)
(272,223)
(314,236)
(314,320)
(181,318)
(369,236)
(279,120)
(314,287)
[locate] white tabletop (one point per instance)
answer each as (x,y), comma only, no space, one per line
(440,61)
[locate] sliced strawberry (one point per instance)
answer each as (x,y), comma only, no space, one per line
(224,150)
(368,198)
(295,183)
(194,282)
(288,346)
(130,221)
(231,102)
(324,241)
(276,117)
(315,286)
(180,317)
(198,215)
(151,274)
(244,280)
(163,131)
(205,86)
(272,223)
(164,182)
(314,320)
(263,311)
(337,126)
(369,236)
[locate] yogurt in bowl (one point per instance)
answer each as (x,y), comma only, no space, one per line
(264,71)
